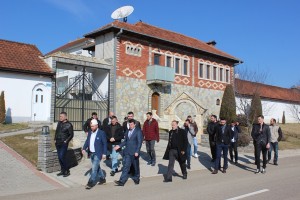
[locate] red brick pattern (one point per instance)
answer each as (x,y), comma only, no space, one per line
(22,57)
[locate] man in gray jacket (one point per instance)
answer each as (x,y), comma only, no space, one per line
(276,135)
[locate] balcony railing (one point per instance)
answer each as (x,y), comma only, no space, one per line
(160,74)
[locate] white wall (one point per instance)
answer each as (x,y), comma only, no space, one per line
(274,109)
(18,90)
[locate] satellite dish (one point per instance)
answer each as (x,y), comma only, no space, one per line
(122,13)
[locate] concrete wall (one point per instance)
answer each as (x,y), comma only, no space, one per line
(104,48)
(18,90)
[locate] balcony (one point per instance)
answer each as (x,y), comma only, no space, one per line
(160,74)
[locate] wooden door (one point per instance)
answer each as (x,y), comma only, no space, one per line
(155,102)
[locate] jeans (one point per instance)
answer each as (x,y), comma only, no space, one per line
(128,161)
(173,155)
(61,153)
(273,146)
(150,150)
(188,155)
(114,159)
(221,147)
(96,169)
(259,147)
(233,147)
(195,143)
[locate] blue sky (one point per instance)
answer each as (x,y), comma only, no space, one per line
(263,33)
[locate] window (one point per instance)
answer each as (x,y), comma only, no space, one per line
(36,98)
(177,65)
(185,70)
(215,73)
(169,61)
(200,70)
(133,50)
(156,59)
(218,102)
(221,74)
(227,75)
(208,71)
(42,98)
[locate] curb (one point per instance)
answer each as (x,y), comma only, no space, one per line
(14,130)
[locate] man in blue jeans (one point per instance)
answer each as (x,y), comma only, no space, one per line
(276,135)
(96,147)
(63,135)
(223,137)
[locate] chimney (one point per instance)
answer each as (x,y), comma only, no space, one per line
(212,43)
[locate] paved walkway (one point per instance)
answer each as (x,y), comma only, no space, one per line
(18,176)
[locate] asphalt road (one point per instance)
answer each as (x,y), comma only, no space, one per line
(280,182)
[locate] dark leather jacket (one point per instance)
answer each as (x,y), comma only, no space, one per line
(223,137)
(211,130)
(263,136)
(64,132)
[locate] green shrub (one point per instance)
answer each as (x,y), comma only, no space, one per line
(2,108)
(256,108)
(228,107)
(244,140)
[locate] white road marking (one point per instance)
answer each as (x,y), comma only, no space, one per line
(249,194)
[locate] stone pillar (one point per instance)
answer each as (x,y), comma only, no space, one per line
(44,149)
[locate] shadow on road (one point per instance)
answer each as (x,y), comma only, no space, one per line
(205,159)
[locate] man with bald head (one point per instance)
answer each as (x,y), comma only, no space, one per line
(107,120)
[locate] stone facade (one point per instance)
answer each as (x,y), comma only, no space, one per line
(176,101)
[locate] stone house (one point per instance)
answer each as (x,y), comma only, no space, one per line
(153,69)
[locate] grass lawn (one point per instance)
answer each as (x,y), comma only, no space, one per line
(26,147)
(292,134)
(6,127)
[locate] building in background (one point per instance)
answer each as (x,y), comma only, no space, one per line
(26,80)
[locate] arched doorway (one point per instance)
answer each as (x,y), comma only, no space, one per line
(39,103)
(155,100)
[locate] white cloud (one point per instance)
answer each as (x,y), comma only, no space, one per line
(75,7)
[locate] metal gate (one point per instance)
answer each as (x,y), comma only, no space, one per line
(78,95)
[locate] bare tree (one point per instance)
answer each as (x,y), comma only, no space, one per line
(244,100)
(294,107)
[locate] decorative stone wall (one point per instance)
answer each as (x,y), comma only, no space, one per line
(135,95)
(48,160)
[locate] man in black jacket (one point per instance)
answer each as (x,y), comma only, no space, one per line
(211,129)
(114,134)
(261,135)
(223,137)
(176,150)
(107,121)
(130,116)
(87,124)
(63,135)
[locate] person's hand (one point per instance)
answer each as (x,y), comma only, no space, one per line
(268,146)
(103,157)
(83,152)
(112,139)
(116,147)
(182,152)
(136,154)
(143,141)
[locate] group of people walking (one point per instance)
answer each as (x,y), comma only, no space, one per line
(223,137)
(109,139)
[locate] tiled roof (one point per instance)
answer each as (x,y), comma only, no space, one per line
(267,91)
(69,45)
(162,34)
(20,57)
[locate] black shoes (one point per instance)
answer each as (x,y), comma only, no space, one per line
(66,173)
(102,181)
(224,171)
(112,173)
(149,162)
(136,182)
(215,171)
(188,166)
(167,180)
(60,173)
(275,163)
(257,171)
(184,176)
(89,185)
(119,183)
(153,164)
(263,171)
